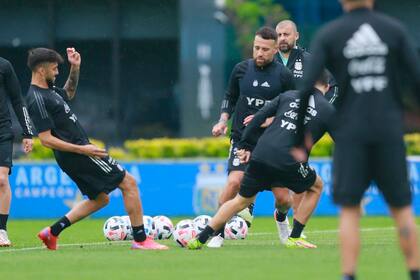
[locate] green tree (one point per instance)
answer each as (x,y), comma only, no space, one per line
(249,15)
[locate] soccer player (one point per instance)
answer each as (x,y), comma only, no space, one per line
(368,52)
(271,166)
(253,82)
(296,58)
(10,89)
(95,173)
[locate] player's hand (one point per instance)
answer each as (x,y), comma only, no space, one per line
(267,122)
(299,154)
(27,144)
(93,151)
(248,119)
(243,155)
(219,129)
(74,57)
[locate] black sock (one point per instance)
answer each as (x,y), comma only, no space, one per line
(281,217)
(414,274)
(205,234)
(139,234)
(220,232)
(349,277)
(59,226)
(251,209)
(297,229)
(3,221)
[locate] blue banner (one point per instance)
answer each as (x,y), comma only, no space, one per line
(172,188)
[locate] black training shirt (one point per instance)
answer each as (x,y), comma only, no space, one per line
(367,52)
(250,88)
(49,110)
(10,90)
(273,147)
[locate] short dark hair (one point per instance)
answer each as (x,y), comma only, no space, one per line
(324,78)
(267,33)
(39,56)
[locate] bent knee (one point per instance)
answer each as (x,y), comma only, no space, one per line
(103,199)
(234,183)
(318,185)
(4,180)
(129,183)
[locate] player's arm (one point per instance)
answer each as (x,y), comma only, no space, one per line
(410,61)
(75,60)
(13,90)
(43,123)
(248,140)
(230,99)
(50,141)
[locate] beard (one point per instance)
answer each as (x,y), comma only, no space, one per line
(285,47)
(50,82)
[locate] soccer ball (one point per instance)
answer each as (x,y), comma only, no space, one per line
(201,222)
(184,232)
(127,227)
(236,228)
(164,227)
(149,226)
(114,229)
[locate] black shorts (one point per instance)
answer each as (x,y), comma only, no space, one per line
(356,165)
(259,177)
(6,154)
(91,175)
(234,164)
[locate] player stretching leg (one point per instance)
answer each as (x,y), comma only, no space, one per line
(93,171)
(272,167)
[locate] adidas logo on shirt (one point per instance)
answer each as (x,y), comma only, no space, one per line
(365,42)
(265,84)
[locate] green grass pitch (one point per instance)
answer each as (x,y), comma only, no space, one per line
(85,254)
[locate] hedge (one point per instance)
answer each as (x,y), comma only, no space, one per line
(166,148)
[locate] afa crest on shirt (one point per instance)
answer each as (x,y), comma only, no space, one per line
(298,65)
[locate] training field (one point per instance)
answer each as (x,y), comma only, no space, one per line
(84,254)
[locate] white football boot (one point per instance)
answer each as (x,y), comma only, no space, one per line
(216,242)
(283,229)
(4,239)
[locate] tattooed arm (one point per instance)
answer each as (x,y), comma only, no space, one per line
(73,79)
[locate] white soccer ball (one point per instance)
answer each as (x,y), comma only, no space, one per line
(236,228)
(127,227)
(149,226)
(201,222)
(184,232)
(114,229)
(164,227)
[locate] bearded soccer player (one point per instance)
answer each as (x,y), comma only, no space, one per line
(271,167)
(368,52)
(94,172)
(253,83)
(10,90)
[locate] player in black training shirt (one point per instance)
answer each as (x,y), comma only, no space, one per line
(95,173)
(252,84)
(9,90)
(367,52)
(271,166)
(295,59)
